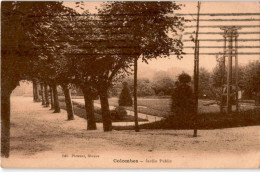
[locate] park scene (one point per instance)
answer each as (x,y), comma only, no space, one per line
(130,84)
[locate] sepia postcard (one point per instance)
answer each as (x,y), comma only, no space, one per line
(130,84)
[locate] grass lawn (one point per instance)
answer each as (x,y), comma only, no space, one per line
(156,107)
(205,121)
(209,116)
(80,111)
(161,106)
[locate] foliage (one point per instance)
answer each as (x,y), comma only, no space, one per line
(163,86)
(204,83)
(184,78)
(75,91)
(248,80)
(183,99)
(251,79)
(146,25)
(25,26)
(144,86)
(207,87)
(144,34)
(21,53)
(118,113)
(125,98)
(53,43)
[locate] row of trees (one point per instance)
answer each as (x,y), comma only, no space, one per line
(48,43)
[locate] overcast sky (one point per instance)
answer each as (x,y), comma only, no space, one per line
(206,61)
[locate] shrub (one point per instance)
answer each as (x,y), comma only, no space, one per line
(161,93)
(98,111)
(125,98)
(182,99)
(184,78)
(118,113)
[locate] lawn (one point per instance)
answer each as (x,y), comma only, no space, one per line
(205,121)
(156,107)
(161,106)
(80,111)
(209,116)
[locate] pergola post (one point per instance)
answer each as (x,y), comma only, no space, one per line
(230,32)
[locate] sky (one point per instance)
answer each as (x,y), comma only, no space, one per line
(206,61)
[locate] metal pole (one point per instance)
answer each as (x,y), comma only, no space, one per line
(236,68)
(196,89)
(135,96)
(229,73)
(222,69)
(196,74)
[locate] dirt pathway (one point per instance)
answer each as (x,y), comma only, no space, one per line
(40,138)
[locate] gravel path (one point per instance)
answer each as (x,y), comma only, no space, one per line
(40,138)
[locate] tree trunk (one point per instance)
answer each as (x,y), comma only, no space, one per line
(51,94)
(135,96)
(55,99)
(6,90)
(89,106)
(46,95)
(42,91)
(107,123)
(257,99)
(35,92)
(5,124)
(69,106)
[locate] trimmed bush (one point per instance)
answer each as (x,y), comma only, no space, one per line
(125,98)
(118,113)
(183,100)
(184,78)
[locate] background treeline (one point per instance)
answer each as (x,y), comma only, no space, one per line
(162,84)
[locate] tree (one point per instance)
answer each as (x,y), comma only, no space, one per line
(250,82)
(42,94)
(47,103)
(53,68)
(81,62)
(163,86)
(218,80)
(125,98)
(95,72)
(19,26)
(204,83)
(69,105)
(36,97)
(146,25)
(51,96)
(144,88)
(55,98)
